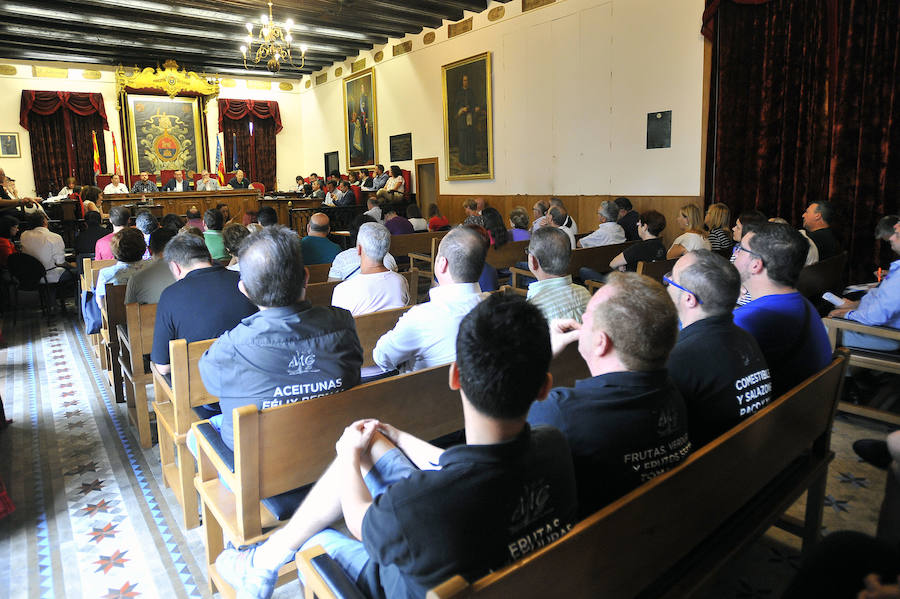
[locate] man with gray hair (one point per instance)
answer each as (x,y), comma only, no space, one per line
(553,292)
(557,217)
(426,335)
(375,287)
(608,231)
(717,365)
(287,352)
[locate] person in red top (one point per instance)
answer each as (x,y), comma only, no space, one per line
(118,217)
(436,222)
(9,227)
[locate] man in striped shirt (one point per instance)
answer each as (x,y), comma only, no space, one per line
(549,252)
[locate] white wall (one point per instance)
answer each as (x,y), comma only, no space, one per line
(572,85)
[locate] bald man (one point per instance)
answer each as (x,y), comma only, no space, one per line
(317,248)
(239,181)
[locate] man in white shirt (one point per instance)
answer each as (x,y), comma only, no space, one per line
(557,217)
(608,231)
(374,210)
(375,287)
(346,264)
(570,222)
(426,335)
(331,195)
(45,245)
(115,186)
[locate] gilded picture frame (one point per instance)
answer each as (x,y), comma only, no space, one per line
(360,120)
(9,145)
(468,118)
(165,133)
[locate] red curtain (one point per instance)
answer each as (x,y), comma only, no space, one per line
(256,154)
(60,126)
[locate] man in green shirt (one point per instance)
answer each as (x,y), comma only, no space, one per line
(214,221)
(317,248)
(549,252)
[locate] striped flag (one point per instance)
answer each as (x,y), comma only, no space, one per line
(116,168)
(220,161)
(96,157)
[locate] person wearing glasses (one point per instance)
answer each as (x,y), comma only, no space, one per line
(717,366)
(784,323)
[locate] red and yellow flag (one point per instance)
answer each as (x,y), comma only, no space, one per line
(96,155)
(117,169)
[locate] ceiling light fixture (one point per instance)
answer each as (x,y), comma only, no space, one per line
(273,44)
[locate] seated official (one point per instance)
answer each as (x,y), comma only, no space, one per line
(128,247)
(375,287)
(238,181)
(365,180)
(608,231)
(817,222)
(87,239)
(215,221)
(717,366)
(558,217)
(289,351)
(69,189)
(396,224)
(380,179)
(394,188)
(786,326)
(627,424)
(317,192)
(144,184)
(423,337)
(373,209)
(266,217)
(690,219)
(879,307)
(146,286)
(119,217)
(177,183)
(233,236)
(353,178)
(423,514)
(345,196)
(207,183)
(331,193)
(317,248)
(553,292)
(185,310)
(347,263)
(628,218)
(115,185)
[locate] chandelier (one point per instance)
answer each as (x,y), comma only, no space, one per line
(273,44)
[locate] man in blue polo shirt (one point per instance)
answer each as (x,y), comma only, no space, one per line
(203,303)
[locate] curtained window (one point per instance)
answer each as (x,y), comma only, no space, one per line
(60,126)
(256,153)
(803,108)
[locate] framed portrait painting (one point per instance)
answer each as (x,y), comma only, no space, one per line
(468,118)
(360,120)
(9,145)
(165,133)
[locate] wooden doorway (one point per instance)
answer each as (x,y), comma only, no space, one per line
(427,178)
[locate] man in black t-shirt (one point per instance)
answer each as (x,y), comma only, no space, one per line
(628,423)
(628,219)
(717,365)
(423,514)
(649,249)
(817,222)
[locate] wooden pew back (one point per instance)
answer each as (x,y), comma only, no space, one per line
(318,273)
(136,341)
(419,243)
(507,255)
(656,270)
(596,258)
(644,536)
(319,294)
(371,327)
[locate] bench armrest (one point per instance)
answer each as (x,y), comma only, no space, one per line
(323,577)
(593,286)
(515,273)
(851,325)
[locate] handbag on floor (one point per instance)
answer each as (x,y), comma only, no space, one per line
(90,312)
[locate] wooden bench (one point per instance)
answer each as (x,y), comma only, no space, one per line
(319,294)
(371,327)
(415,243)
(865,358)
(668,537)
(318,273)
(135,342)
(425,261)
(656,270)
(507,255)
(173,404)
(88,281)
(112,312)
(596,258)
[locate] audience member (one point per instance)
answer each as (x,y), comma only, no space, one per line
(539,212)
(489,279)
(239,181)
(289,351)
(628,219)
(518,224)
(570,223)
(233,235)
(214,222)
(396,224)
(750,218)
(128,247)
(180,313)
(144,184)
(375,287)
(879,307)
(177,182)
(147,285)
(226,213)
(91,198)
(557,217)
(413,494)
(317,248)
(48,247)
(716,365)
(650,248)
(786,326)
(812,254)
(9,228)
(172,221)
(493,222)
(718,221)
(146,223)
(608,231)
(119,217)
(553,292)
(424,336)
(414,216)
(374,210)
(267,217)
(115,186)
(195,218)
(347,263)
(817,222)
(436,222)
(395,187)
(690,220)
(86,240)
(627,424)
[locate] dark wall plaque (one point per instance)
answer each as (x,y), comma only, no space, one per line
(659,129)
(401,147)
(332,162)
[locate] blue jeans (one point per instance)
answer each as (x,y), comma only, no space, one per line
(863,341)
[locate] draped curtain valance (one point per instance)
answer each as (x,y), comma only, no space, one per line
(236,110)
(46,103)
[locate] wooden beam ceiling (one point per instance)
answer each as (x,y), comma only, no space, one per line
(205,35)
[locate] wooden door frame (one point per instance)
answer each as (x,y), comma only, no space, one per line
(437,179)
